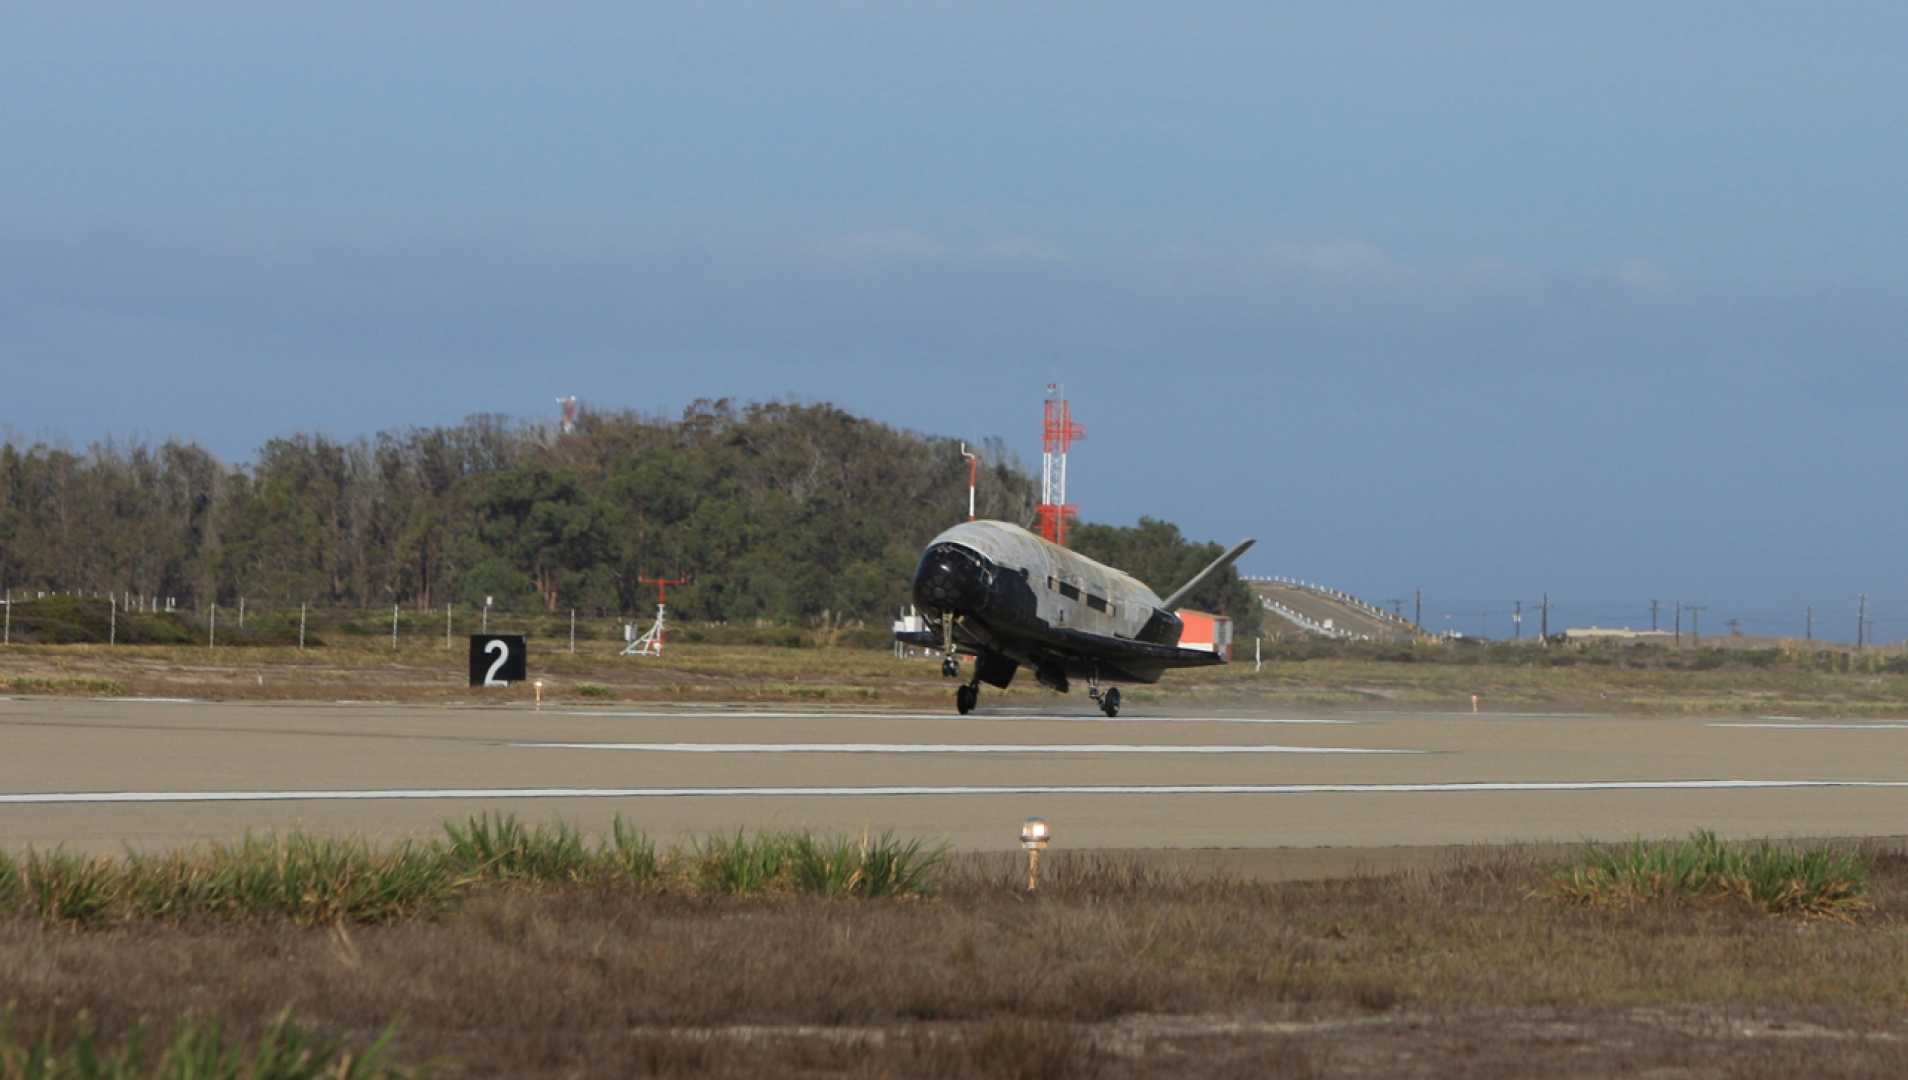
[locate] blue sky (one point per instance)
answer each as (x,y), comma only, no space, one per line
(1486,299)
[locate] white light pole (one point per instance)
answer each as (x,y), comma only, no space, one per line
(486,614)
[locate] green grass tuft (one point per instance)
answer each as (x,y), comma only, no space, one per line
(869,867)
(314,880)
(631,854)
(198,1049)
(61,684)
(1815,881)
(61,887)
(499,847)
(742,864)
(866,867)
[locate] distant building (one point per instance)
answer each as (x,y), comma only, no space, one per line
(1213,633)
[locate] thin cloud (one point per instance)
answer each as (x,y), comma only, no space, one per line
(883,244)
(1642,276)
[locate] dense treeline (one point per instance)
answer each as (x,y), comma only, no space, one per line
(1157,554)
(776,510)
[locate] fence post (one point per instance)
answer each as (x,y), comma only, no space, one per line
(212,632)
(394,615)
(6,638)
(301,625)
(241,613)
(112,624)
(572,631)
(447,627)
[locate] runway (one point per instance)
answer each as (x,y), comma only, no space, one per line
(101,775)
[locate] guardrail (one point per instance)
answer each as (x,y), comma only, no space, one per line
(1339,595)
(1309,625)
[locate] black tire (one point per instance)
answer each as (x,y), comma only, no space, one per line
(1110,703)
(965,699)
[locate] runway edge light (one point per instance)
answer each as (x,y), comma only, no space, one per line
(1035,834)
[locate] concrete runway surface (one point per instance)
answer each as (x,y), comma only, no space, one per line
(102,775)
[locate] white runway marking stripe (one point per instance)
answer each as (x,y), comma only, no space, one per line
(945,748)
(1813,725)
(62,797)
(849,714)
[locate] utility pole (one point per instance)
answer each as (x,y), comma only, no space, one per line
(1735,627)
(1653,607)
(1546,623)
(1679,624)
(1397,607)
(1861,624)
(1517,619)
(1696,622)
(1417,608)
(1808,625)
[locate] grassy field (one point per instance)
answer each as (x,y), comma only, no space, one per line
(1491,966)
(1718,681)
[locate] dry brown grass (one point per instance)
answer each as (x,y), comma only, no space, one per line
(1113,970)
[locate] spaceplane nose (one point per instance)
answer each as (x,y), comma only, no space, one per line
(952,578)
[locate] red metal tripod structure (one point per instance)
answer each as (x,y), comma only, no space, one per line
(651,643)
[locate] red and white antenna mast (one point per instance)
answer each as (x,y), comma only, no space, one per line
(973,473)
(1057,435)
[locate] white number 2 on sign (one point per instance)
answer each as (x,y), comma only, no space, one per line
(503,657)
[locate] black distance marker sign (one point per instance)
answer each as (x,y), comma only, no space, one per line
(497,659)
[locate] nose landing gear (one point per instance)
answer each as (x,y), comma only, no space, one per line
(1108,699)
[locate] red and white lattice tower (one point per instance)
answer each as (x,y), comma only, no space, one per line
(1057,435)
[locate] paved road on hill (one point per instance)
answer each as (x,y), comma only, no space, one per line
(1322,608)
(100,775)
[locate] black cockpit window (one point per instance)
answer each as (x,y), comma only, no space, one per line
(1071,592)
(1097,603)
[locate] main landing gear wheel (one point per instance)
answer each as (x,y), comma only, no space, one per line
(965,698)
(1110,702)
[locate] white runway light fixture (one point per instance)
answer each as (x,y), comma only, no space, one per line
(1035,834)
